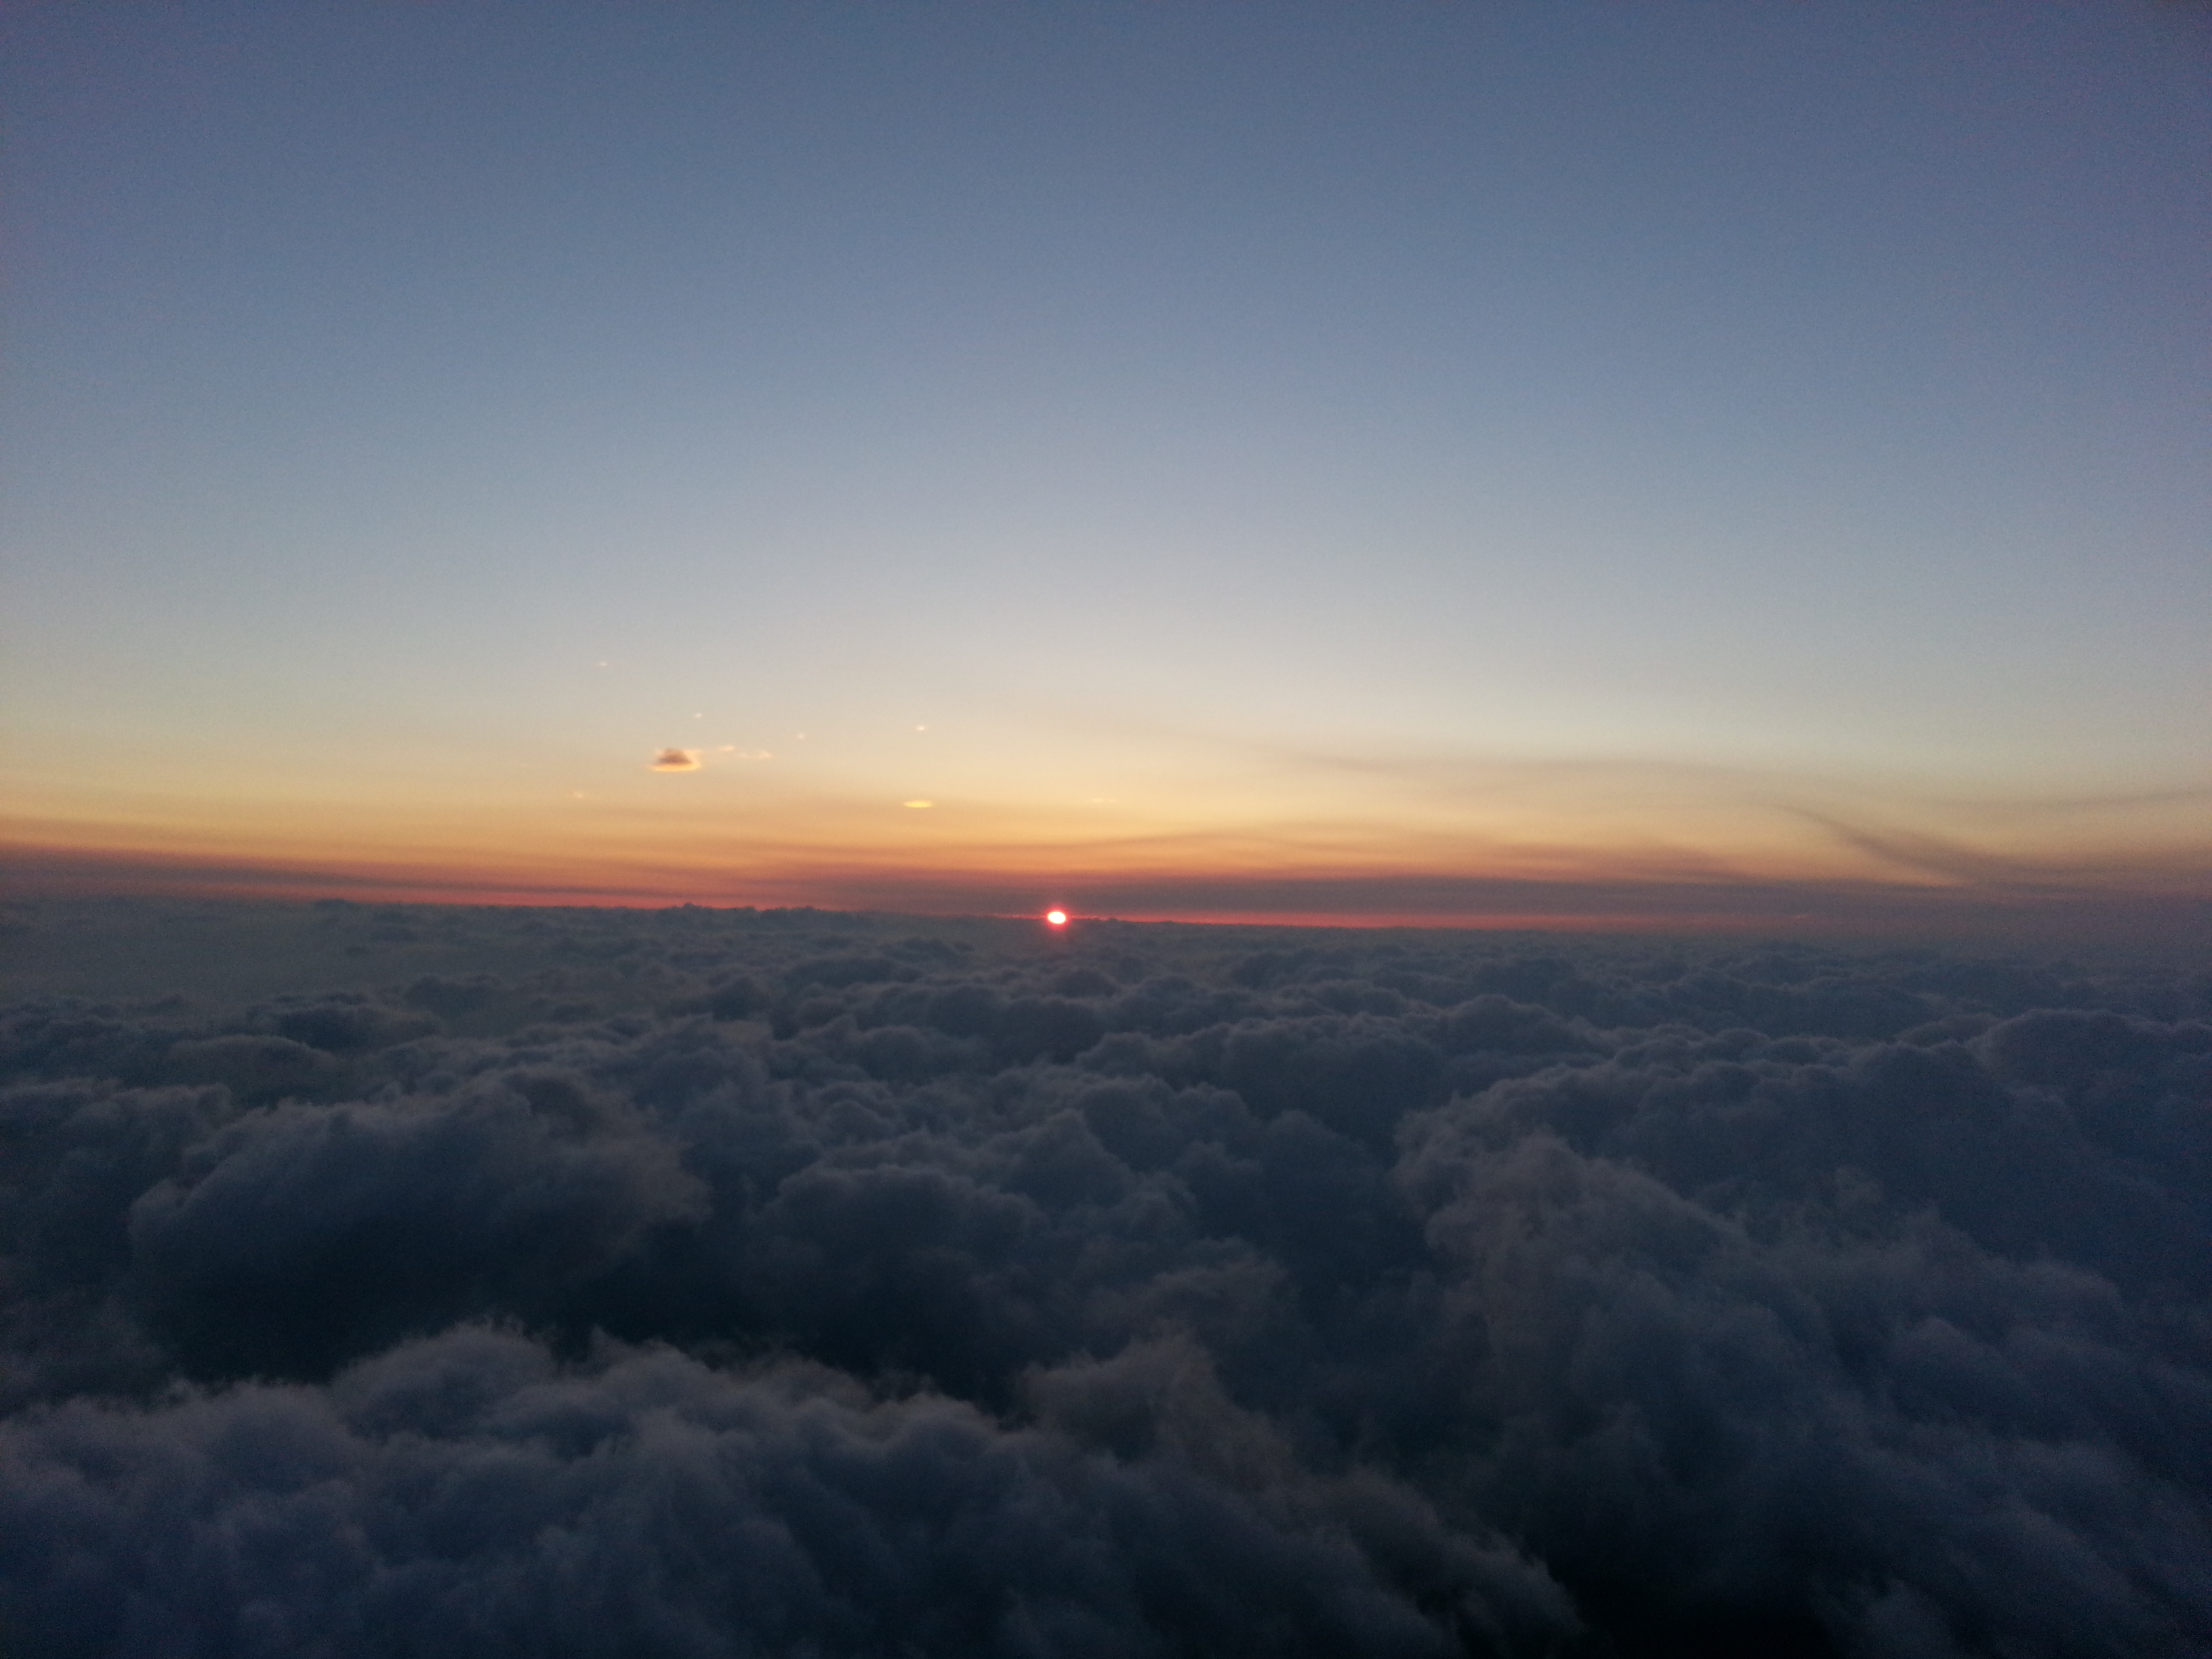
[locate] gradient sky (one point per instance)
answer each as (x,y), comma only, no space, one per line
(1199,449)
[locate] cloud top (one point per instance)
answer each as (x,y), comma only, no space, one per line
(789,1280)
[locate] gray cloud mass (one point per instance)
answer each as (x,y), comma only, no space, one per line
(702,1283)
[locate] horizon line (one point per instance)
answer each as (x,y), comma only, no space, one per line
(1830,908)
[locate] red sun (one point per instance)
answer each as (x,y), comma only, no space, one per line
(1057,918)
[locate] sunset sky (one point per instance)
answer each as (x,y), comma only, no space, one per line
(1418,461)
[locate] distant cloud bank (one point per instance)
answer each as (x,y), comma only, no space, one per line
(2156,908)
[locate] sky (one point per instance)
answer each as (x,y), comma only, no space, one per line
(1401,461)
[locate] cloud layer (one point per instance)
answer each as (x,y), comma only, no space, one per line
(696,1282)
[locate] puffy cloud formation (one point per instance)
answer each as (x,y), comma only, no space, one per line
(696,1282)
(464,1489)
(677,760)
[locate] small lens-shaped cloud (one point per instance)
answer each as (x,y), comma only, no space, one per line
(677,760)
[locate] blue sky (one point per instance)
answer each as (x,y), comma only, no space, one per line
(1283,433)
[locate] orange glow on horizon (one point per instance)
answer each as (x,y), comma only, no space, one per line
(1538,858)
(2058,914)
